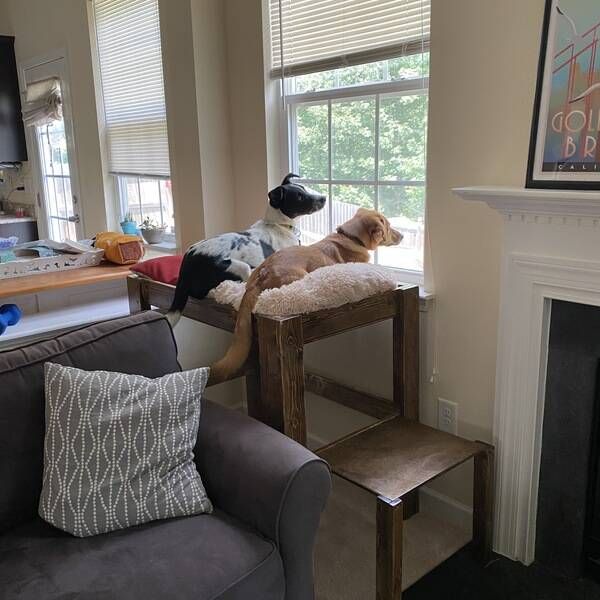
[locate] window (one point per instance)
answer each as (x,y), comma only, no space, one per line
(358,132)
(148,197)
(131,74)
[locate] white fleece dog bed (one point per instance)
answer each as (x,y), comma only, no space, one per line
(327,287)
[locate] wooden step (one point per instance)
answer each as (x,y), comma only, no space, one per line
(397,456)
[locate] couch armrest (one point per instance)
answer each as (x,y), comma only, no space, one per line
(269,482)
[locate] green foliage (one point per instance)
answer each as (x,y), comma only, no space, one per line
(402,138)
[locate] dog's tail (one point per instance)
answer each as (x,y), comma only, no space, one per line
(179,300)
(239,349)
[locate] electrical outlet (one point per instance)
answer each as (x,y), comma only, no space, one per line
(447,416)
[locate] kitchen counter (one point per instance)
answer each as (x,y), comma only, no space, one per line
(54,302)
(31,284)
(11,219)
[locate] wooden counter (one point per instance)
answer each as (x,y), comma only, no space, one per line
(31,284)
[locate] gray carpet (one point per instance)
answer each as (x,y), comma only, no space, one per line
(345,554)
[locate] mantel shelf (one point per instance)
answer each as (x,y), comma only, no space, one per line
(523,201)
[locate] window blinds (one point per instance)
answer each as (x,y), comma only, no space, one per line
(320,35)
(43,103)
(131,73)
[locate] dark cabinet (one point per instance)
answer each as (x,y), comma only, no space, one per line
(26,231)
(12,133)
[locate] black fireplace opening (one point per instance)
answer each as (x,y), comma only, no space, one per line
(591,538)
(568,515)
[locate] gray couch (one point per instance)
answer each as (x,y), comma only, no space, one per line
(268,492)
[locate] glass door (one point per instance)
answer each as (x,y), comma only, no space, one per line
(61,210)
(58,202)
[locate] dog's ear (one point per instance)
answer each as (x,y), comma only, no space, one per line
(377,234)
(276,197)
(289,177)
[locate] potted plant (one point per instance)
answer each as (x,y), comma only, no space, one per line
(151,231)
(129,224)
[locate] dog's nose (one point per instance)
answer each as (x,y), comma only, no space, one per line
(396,236)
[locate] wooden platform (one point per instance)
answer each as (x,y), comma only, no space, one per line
(394,458)
(397,456)
(275,378)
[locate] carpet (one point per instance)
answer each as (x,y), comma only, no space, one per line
(345,551)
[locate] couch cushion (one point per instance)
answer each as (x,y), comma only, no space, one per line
(164,268)
(204,557)
(119,449)
(141,344)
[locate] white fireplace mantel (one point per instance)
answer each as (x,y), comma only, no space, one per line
(551,252)
(526,201)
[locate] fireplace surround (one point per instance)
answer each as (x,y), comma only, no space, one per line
(551,252)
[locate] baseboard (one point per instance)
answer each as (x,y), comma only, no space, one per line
(315,442)
(446,508)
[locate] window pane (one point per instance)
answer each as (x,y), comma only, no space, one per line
(404,206)
(394,69)
(409,67)
(167,201)
(313,145)
(402,137)
(347,199)
(316,226)
(150,199)
(131,200)
(353,131)
(360,74)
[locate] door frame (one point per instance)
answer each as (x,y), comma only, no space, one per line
(59,55)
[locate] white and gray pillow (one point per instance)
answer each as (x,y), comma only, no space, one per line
(119,449)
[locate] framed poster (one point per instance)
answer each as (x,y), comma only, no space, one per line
(564,150)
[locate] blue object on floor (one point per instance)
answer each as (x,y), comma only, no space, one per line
(10,314)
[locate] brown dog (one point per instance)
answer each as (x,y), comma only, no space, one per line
(365,231)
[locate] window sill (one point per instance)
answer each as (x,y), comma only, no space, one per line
(162,249)
(416,278)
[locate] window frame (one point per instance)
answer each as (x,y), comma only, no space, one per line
(169,239)
(114,196)
(289,106)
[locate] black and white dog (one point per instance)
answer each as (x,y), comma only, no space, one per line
(233,255)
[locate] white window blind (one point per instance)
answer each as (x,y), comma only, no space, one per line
(319,35)
(131,72)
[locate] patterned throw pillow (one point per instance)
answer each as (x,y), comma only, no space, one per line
(119,449)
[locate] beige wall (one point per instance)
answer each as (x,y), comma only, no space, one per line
(247,108)
(41,27)
(212,89)
(483,71)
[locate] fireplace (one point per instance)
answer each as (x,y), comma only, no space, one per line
(551,258)
(591,541)
(568,511)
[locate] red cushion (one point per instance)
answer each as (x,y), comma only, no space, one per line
(164,269)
